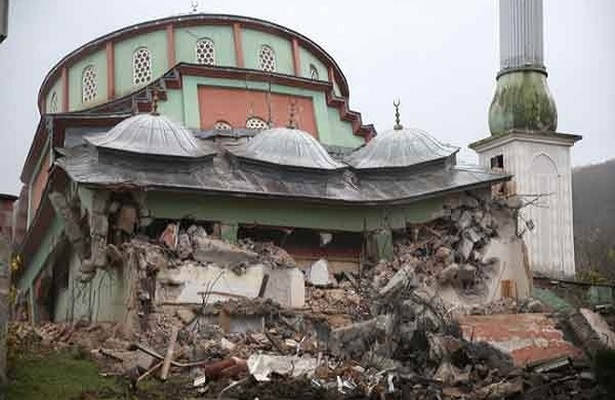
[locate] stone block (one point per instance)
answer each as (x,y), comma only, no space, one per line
(286,286)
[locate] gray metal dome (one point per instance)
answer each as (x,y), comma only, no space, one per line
(151,134)
(400,147)
(291,147)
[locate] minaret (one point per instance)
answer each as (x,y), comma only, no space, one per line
(524,141)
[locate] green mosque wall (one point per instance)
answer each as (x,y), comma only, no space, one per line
(308,59)
(57,89)
(253,40)
(156,42)
(353,218)
(75,80)
(222,36)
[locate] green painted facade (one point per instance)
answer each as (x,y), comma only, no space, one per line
(332,130)
(222,36)
(98,61)
(253,40)
(156,42)
(57,89)
(271,212)
(307,60)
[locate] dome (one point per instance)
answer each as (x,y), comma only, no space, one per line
(291,147)
(400,147)
(150,134)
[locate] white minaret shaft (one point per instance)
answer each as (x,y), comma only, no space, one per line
(521,37)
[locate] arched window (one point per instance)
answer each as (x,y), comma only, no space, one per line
(256,123)
(141,66)
(266,58)
(222,126)
(314,72)
(53,103)
(205,52)
(89,87)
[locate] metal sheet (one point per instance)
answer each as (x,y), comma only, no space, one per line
(226,173)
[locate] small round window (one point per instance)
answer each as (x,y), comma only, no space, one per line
(256,123)
(222,126)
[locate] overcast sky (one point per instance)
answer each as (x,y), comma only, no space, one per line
(440,57)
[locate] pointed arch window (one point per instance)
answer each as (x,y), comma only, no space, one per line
(141,66)
(205,52)
(266,58)
(256,123)
(314,72)
(53,103)
(89,86)
(222,126)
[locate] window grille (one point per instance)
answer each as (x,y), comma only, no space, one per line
(256,123)
(266,58)
(205,52)
(222,126)
(141,66)
(89,87)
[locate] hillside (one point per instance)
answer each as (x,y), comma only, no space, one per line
(593,195)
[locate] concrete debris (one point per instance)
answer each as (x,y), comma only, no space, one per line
(319,273)
(238,319)
(261,366)
(592,331)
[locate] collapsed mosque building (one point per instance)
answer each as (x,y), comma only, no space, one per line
(204,131)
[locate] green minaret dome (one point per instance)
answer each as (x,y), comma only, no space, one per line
(522,98)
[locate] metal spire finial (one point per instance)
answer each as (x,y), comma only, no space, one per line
(154,102)
(195,6)
(291,117)
(398,126)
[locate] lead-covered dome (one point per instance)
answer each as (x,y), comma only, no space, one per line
(151,134)
(290,147)
(400,147)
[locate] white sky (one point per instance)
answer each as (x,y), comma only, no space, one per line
(440,57)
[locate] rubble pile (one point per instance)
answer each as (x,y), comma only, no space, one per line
(243,321)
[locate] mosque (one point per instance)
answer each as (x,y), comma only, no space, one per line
(244,126)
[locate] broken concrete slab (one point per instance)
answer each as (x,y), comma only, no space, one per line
(465,248)
(286,287)
(209,250)
(402,279)
(319,273)
(189,282)
(592,331)
(355,340)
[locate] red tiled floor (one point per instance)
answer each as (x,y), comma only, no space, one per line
(527,337)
